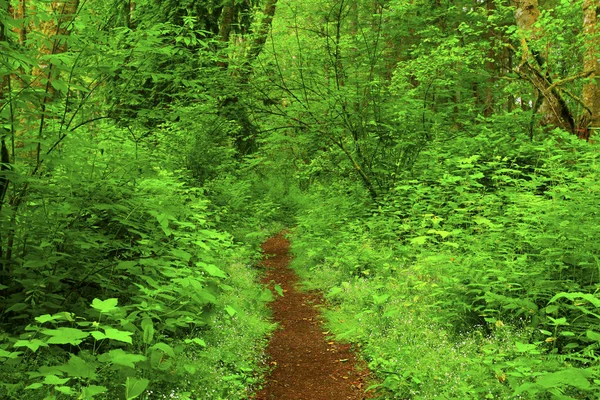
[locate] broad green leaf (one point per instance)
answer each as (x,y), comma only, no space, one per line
(335,290)
(127,265)
(115,334)
(32,344)
(65,336)
(163,220)
(197,341)
(184,255)
(558,321)
(157,359)
(194,283)
(88,392)
(59,85)
(64,389)
(378,300)
(576,295)
(36,385)
(17,307)
(551,309)
(46,370)
(524,347)
(443,234)
(204,297)
(212,270)
(592,335)
(78,368)
(148,330)
(135,387)
(203,245)
(105,306)
(226,288)
(571,376)
(527,386)
(10,354)
(55,380)
(165,348)
(98,335)
(479,220)
(420,239)
(231,311)
(120,357)
(46,318)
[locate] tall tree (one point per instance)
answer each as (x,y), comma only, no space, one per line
(55,31)
(591,88)
(534,68)
(4,94)
(232,108)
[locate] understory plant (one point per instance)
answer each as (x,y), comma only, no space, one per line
(123,282)
(475,277)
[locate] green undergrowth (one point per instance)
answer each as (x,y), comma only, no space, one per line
(128,281)
(476,277)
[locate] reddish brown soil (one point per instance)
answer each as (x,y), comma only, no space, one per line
(306,366)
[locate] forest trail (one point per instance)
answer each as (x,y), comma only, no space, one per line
(306,366)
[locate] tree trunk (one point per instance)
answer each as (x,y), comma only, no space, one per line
(20,13)
(526,14)
(247,142)
(227,17)
(263,31)
(590,119)
(4,133)
(124,13)
(56,31)
(491,65)
(533,67)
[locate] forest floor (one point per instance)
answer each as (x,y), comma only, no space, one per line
(305,365)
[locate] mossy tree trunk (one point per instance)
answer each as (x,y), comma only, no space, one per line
(591,89)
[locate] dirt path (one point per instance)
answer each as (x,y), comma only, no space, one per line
(305,365)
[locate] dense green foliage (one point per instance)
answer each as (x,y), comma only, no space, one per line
(149,147)
(128,237)
(453,235)
(478,277)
